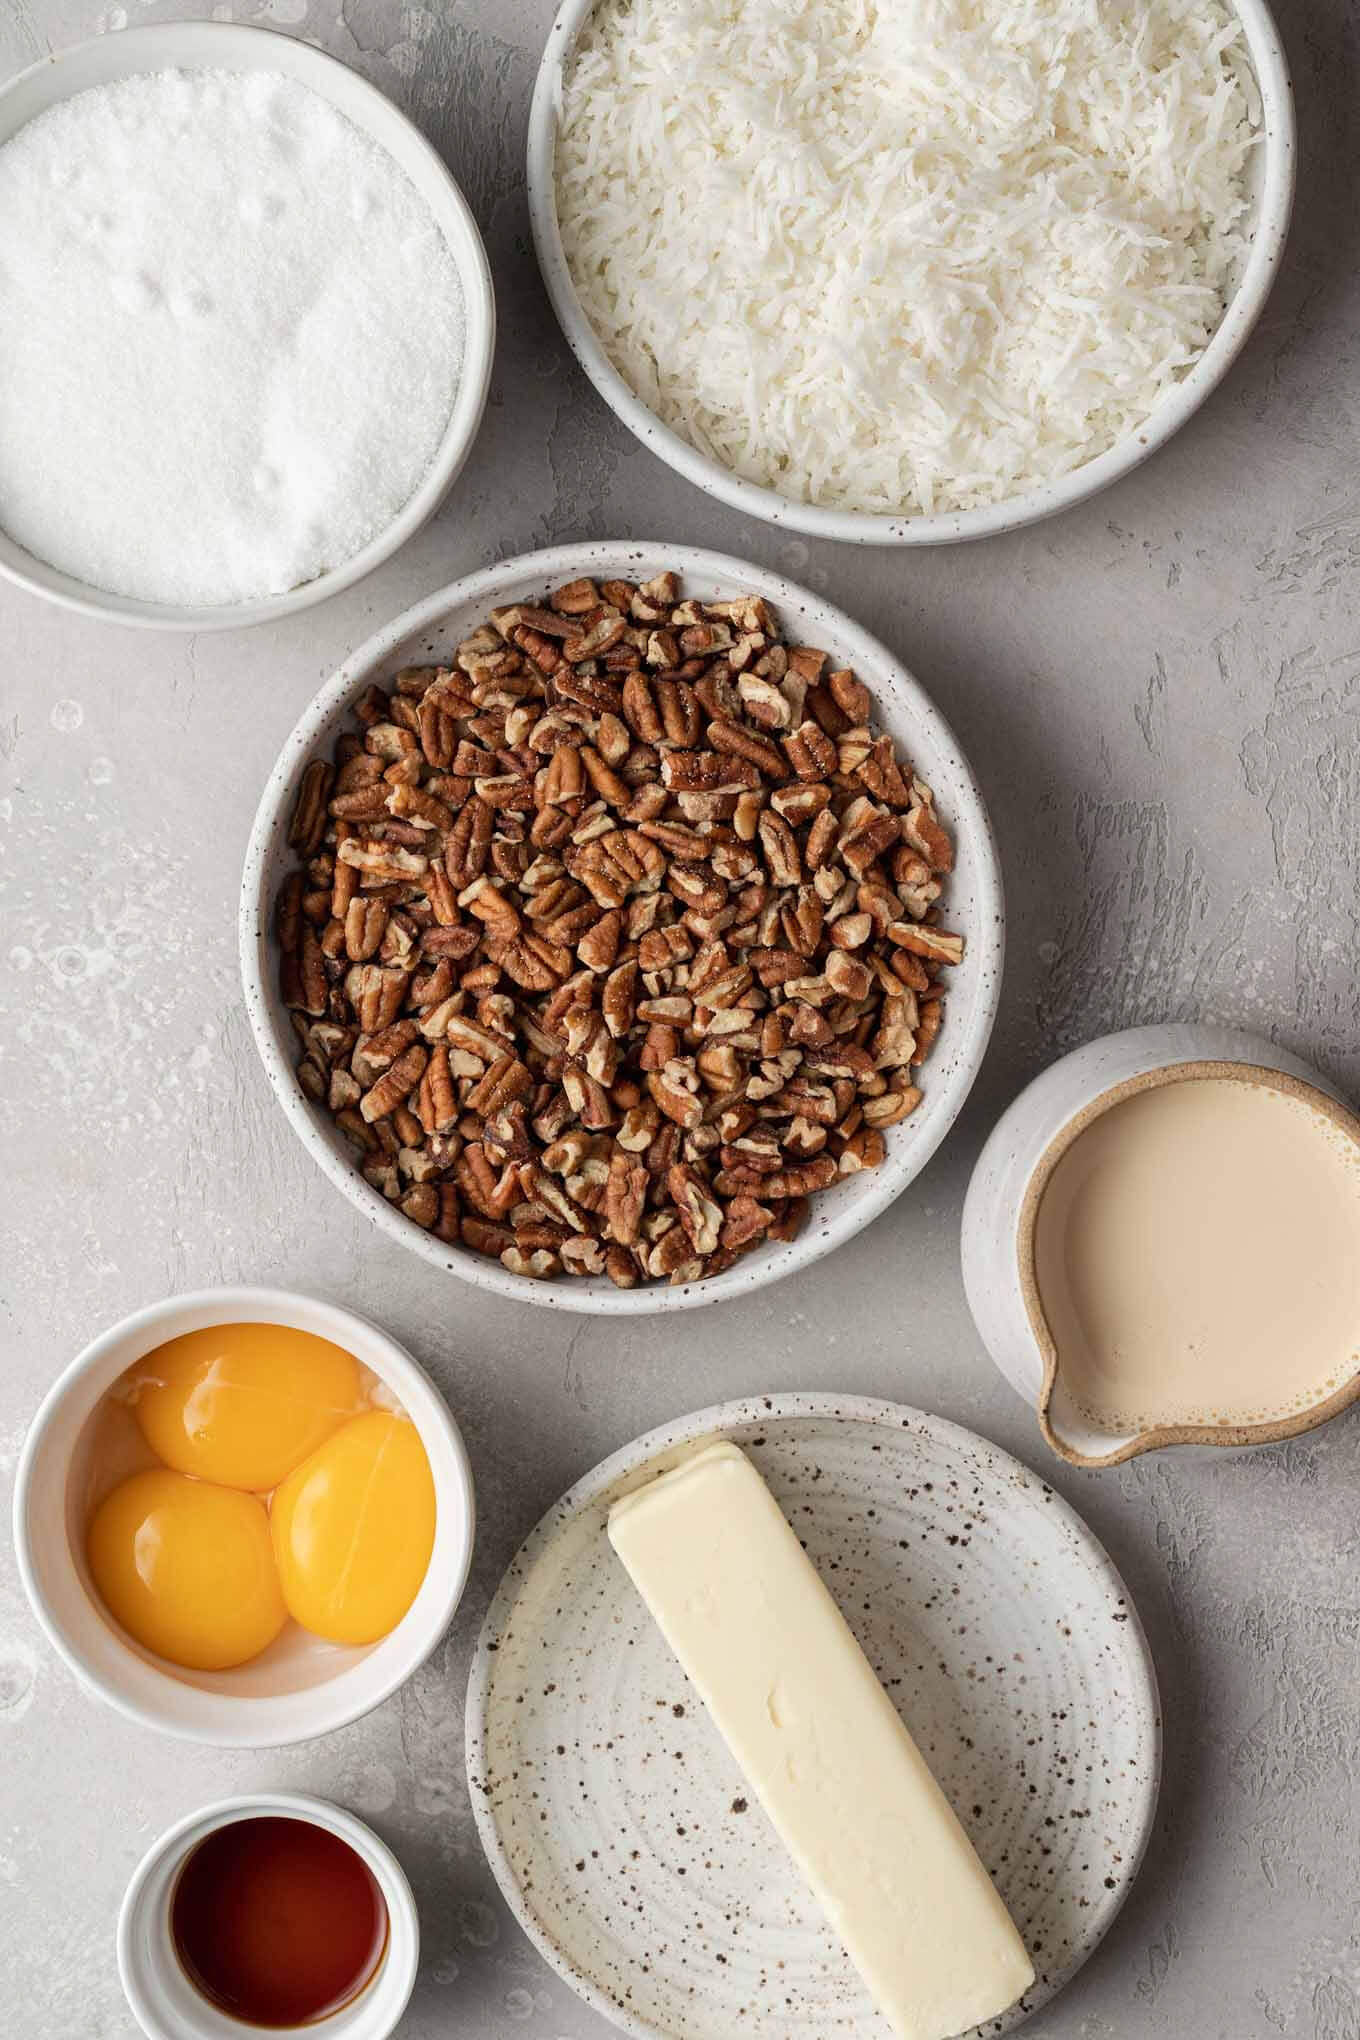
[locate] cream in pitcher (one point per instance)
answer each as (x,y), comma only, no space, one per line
(1197,1253)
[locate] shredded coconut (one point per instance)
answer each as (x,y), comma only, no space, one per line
(231,332)
(905,256)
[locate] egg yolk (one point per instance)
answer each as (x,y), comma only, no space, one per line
(187,1569)
(243,1404)
(353,1529)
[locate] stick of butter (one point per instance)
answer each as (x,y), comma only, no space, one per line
(798,1705)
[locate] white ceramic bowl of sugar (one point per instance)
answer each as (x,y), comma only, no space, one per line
(206,45)
(1272,192)
(300,1686)
(973,901)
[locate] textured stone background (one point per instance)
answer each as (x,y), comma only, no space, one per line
(1160,694)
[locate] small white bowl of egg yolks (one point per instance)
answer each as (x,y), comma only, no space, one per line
(89,1443)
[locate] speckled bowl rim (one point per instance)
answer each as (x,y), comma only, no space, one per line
(970,1026)
(1156,1436)
(238,45)
(647,1454)
(1274,205)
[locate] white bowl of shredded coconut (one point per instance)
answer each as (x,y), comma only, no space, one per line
(247,325)
(907,271)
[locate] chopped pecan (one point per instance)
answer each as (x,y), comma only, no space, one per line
(375,995)
(707,772)
(801,802)
(614,941)
(767,758)
(932,943)
(395,1084)
(931,1016)
(577,598)
(782,858)
(486,1237)
(365,925)
(624,1199)
(923,832)
(598,944)
(308,825)
(864,1149)
(674,1090)
(468,844)
(505,1080)
(616,864)
(382,862)
(891,1106)
(810,752)
(866,832)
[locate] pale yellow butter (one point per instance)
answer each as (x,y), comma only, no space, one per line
(798,1704)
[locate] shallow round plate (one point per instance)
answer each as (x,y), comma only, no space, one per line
(972,903)
(619,1827)
(1272,193)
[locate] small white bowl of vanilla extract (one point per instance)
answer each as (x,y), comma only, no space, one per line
(274,1913)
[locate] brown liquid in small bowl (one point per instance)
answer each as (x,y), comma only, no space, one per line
(277,1921)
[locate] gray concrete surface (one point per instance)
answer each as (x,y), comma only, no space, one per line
(1160,694)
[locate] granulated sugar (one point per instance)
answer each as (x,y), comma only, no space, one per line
(231,334)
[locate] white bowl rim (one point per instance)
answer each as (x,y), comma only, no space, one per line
(216,40)
(986,938)
(857,527)
(350,1695)
(717,1420)
(186,1833)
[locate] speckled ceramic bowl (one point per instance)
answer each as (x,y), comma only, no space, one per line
(429,632)
(1273,195)
(617,1823)
(1002,1206)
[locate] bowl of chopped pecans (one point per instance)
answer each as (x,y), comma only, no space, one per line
(621,928)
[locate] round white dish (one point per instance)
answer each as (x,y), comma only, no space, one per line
(430,631)
(616,1822)
(300,1687)
(219,45)
(165,2003)
(1274,196)
(994,1215)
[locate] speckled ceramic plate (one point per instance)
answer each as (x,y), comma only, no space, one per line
(618,1826)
